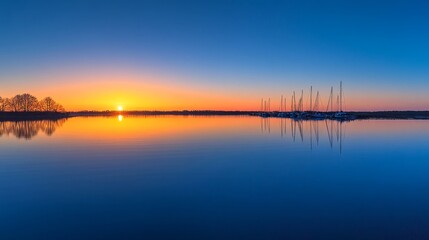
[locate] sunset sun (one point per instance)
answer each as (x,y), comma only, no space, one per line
(120,108)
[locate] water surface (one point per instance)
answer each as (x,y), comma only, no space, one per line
(229,177)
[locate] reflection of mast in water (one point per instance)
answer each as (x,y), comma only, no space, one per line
(265,124)
(313,126)
(338,131)
(301,131)
(311,135)
(293,129)
(282,126)
(316,131)
(284,119)
(341,137)
(330,133)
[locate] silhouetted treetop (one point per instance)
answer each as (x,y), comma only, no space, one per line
(49,105)
(28,103)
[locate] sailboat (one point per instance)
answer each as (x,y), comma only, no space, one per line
(340,115)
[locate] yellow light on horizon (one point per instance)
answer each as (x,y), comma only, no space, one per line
(120,108)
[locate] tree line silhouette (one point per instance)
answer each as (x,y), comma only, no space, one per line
(29,103)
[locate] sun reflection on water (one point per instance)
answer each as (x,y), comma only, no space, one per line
(120,118)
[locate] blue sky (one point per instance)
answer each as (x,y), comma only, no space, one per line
(253,47)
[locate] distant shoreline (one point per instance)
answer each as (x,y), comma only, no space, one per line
(155,113)
(32,116)
(23,116)
(358,115)
(392,115)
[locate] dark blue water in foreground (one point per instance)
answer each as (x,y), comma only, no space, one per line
(214,178)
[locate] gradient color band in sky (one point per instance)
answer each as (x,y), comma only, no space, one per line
(215,54)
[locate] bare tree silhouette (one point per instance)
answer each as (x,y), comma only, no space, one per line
(29,103)
(2,104)
(15,103)
(49,105)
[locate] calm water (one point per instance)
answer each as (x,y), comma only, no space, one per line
(214,178)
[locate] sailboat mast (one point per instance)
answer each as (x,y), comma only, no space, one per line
(294,102)
(341,96)
(311,98)
(338,103)
(284,104)
(291,104)
(316,104)
(269,104)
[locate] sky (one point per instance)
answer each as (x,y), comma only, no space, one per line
(219,55)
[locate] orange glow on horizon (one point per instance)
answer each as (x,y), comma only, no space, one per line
(110,91)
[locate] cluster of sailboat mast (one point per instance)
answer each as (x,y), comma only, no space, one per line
(315,110)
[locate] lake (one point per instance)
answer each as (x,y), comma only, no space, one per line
(220,177)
